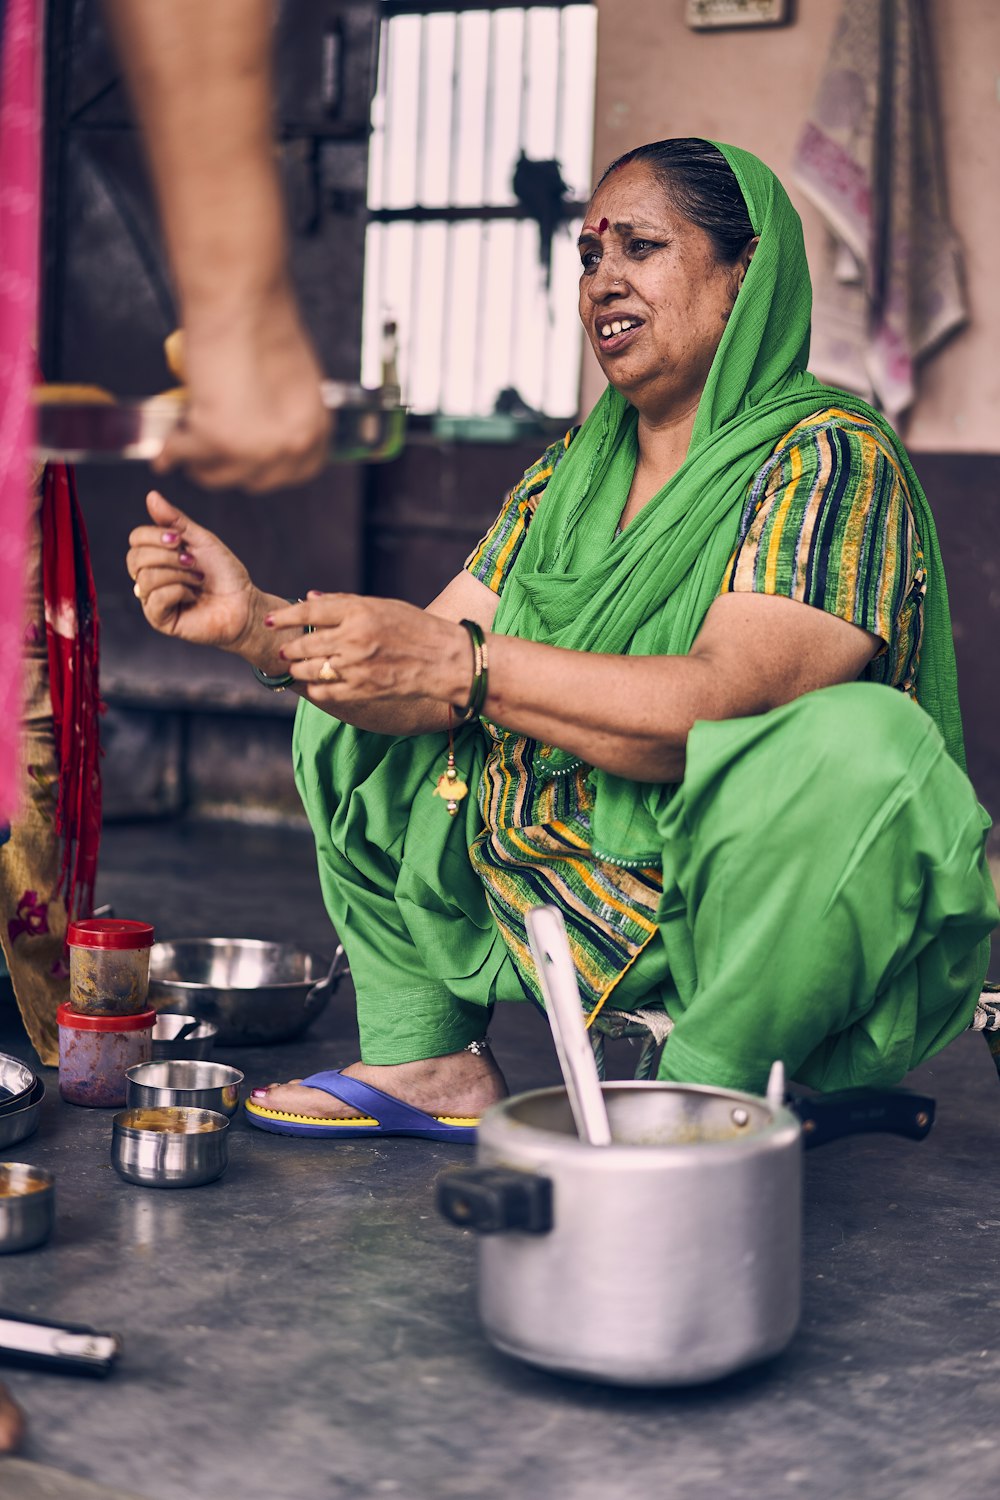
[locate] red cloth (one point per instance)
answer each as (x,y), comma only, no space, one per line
(20,144)
(72,633)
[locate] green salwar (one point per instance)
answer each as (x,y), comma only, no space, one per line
(826,897)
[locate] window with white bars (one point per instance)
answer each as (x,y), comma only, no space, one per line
(451,256)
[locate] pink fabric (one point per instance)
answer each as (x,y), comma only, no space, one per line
(20,144)
(888,289)
(72,630)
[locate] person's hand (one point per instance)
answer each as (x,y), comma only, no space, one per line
(363,650)
(188,582)
(255,418)
(12,1424)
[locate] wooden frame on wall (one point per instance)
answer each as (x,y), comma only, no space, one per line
(708,15)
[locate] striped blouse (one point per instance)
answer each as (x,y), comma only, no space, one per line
(827,522)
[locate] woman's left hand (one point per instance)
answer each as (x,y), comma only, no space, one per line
(364,650)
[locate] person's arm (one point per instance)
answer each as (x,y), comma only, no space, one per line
(200,79)
(193,587)
(630,715)
(780,628)
(430,652)
(398,667)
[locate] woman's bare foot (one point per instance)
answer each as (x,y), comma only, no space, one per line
(459,1086)
(11,1422)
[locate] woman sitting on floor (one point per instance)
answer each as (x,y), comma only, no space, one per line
(714,720)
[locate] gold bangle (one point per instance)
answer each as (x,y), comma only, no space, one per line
(480,672)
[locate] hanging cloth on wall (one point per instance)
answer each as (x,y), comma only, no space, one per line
(870,159)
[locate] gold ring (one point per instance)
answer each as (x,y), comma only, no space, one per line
(328,672)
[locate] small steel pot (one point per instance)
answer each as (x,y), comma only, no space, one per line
(184,1037)
(173,1147)
(197,1085)
(27,1206)
(671,1256)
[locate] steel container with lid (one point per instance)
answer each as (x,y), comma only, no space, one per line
(109,966)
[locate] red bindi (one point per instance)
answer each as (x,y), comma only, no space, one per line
(596,228)
(602,226)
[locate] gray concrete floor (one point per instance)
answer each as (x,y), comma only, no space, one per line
(305,1328)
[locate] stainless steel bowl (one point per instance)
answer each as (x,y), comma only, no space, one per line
(27,1206)
(177,1036)
(17,1124)
(173,1147)
(197,1085)
(255,993)
(16,1082)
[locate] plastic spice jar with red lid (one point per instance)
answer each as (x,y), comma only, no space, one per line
(96,1051)
(108,966)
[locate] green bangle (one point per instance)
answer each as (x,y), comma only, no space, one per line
(276,684)
(480,672)
(282,680)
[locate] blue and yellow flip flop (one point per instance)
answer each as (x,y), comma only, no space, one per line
(382,1114)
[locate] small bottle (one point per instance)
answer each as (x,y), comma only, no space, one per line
(390,366)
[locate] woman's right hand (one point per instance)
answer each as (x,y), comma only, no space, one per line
(188,582)
(255,415)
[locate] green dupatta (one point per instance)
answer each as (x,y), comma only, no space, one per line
(575,584)
(647,591)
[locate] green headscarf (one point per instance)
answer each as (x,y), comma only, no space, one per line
(647,591)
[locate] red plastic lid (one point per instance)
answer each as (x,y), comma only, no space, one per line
(109,932)
(74,1021)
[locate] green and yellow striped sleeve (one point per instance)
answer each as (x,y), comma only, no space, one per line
(828,523)
(493,557)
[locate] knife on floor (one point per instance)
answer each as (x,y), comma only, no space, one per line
(69,1347)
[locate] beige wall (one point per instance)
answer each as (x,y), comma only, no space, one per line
(657,78)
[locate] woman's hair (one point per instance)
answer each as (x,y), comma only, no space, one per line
(702,186)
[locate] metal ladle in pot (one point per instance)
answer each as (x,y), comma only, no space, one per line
(557,980)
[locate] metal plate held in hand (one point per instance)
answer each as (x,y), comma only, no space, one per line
(365,426)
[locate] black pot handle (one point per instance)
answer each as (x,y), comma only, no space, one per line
(828,1117)
(323,988)
(496,1200)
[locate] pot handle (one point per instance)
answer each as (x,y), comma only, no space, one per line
(495,1200)
(324,988)
(828,1117)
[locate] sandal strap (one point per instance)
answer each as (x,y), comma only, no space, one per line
(390,1112)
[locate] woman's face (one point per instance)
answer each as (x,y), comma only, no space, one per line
(651,274)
